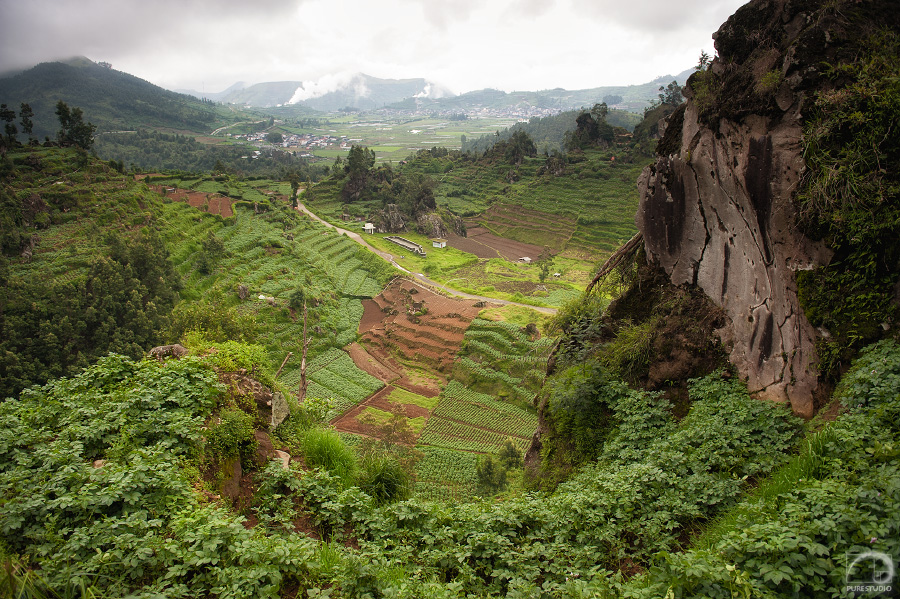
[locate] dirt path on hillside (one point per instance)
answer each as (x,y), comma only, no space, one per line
(419,276)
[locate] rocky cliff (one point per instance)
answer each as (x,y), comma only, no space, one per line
(718,207)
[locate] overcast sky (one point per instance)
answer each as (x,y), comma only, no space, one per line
(463,45)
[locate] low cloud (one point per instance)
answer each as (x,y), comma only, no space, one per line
(327,84)
(43,30)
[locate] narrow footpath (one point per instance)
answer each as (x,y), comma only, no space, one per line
(417,275)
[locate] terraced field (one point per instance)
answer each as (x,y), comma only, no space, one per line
(411,328)
(502,360)
(539,229)
(335,377)
(446,474)
(273,254)
(213,203)
(344,261)
(466,419)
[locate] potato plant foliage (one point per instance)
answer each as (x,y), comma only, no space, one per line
(133,521)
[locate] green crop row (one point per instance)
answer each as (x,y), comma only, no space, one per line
(441,432)
(490,375)
(521,424)
(343,368)
(446,475)
(457,390)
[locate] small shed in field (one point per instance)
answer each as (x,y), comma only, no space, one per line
(369,228)
(438,243)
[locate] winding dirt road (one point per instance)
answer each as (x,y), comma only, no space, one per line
(417,275)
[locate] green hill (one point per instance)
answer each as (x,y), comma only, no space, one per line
(111,100)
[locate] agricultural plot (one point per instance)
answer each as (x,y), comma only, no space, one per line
(446,475)
(410,328)
(402,397)
(345,261)
(465,420)
(380,417)
(501,359)
(335,376)
(443,432)
(528,226)
(477,409)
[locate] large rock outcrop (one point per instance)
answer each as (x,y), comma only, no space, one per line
(717,208)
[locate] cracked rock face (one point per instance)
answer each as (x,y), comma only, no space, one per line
(717,210)
(719,216)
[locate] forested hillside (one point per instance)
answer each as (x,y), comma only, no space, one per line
(112,100)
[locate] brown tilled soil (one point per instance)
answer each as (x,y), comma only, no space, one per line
(365,361)
(416,325)
(406,324)
(212,202)
(485,242)
(472,245)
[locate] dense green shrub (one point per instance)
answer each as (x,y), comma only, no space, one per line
(579,407)
(232,437)
(323,448)
(839,498)
(383,477)
(234,356)
(491,475)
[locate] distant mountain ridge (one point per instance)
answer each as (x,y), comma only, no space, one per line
(112,100)
(633,97)
(328,94)
(363,92)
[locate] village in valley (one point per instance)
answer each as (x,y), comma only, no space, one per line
(303,142)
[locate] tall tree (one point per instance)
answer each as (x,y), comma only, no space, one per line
(25,116)
(9,116)
(671,94)
(518,147)
(360,160)
(298,301)
(73,130)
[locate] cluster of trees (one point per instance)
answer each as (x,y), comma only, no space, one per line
(149,150)
(73,130)
(360,161)
(591,130)
(8,116)
(413,193)
(670,96)
(121,306)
